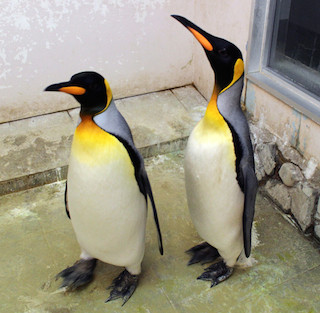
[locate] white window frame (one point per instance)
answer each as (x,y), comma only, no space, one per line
(259,73)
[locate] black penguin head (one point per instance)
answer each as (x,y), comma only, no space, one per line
(225,58)
(90,89)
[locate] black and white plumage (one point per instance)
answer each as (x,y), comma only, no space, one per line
(220,178)
(107,188)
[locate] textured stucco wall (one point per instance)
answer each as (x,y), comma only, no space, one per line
(133,43)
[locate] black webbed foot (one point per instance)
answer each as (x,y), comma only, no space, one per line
(79,274)
(203,253)
(216,273)
(123,286)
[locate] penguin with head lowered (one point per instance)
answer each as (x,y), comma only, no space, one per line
(107,189)
(220,178)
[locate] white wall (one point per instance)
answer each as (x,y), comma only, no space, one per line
(133,43)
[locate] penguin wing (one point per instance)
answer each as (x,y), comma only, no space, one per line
(143,182)
(250,187)
(66,200)
(114,123)
(229,107)
(247,180)
(148,191)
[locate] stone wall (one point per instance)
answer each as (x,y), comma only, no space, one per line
(289,180)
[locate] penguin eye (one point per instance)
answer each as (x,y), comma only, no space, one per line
(223,52)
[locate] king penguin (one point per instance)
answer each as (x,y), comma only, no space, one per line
(107,189)
(220,179)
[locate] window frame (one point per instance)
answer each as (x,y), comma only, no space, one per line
(260,39)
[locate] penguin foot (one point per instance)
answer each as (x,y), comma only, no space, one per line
(77,275)
(216,273)
(123,287)
(203,253)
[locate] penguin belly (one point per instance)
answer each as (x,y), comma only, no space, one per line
(214,197)
(107,209)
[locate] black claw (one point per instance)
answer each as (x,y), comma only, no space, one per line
(203,253)
(204,276)
(123,287)
(216,273)
(79,274)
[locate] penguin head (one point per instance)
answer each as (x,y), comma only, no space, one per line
(225,58)
(90,89)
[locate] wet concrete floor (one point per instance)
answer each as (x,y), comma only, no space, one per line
(37,242)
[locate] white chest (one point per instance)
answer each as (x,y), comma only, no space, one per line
(215,199)
(108,211)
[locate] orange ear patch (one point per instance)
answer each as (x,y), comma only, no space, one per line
(73,90)
(203,40)
(237,73)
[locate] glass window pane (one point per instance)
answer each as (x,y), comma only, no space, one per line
(295,47)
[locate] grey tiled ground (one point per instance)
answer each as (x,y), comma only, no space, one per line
(39,242)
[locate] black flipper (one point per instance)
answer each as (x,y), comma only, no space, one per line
(250,190)
(143,182)
(66,200)
(246,176)
(155,214)
(203,253)
(123,287)
(248,183)
(114,123)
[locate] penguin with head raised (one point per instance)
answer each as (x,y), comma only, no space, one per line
(220,178)
(107,189)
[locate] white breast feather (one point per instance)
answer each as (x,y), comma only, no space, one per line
(215,199)
(108,211)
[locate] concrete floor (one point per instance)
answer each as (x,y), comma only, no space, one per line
(38,242)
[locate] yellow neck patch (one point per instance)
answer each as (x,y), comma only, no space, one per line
(93,146)
(237,73)
(212,113)
(109,96)
(212,116)
(109,92)
(213,129)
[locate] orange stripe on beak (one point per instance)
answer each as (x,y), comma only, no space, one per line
(203,40)
(73,90)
